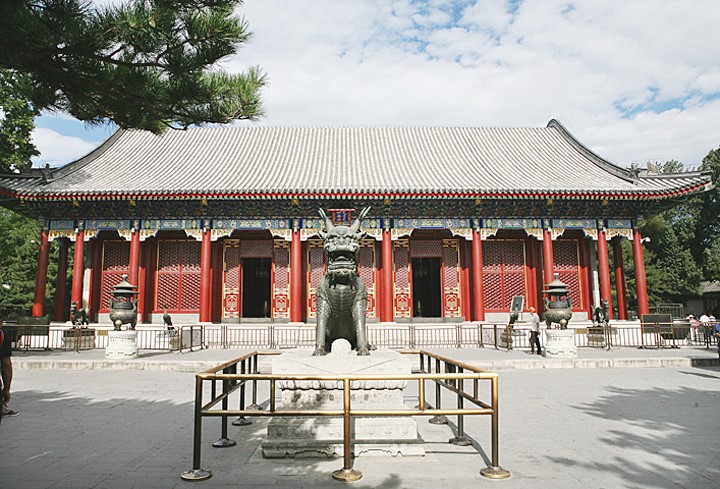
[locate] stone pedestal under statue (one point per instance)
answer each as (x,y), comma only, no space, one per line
(560,343)
(323,436)
(121,345)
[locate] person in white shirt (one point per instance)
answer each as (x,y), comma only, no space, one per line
(534,331)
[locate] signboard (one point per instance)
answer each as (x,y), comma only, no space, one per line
(650,321)
(516,305)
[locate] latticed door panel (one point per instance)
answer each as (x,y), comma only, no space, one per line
(231,279)
(116,260)
(256,248)
(366,270)
(315,272)
(178,276)
(426,248)
(281,279)
(566,255)
(492,274)
(451,279)
(402,302)
(503,272)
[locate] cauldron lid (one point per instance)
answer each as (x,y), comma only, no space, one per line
(124,287)
(556,286)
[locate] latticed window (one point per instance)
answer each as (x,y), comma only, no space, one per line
(178,276)
(115,263)
(503,272)
(566,255)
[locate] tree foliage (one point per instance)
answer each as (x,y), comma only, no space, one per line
(16,123)
(706,245)
(146,64)
(684,246)
(18,261)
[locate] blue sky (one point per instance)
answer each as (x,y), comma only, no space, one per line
(634,80)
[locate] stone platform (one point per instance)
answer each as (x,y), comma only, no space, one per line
(323,436)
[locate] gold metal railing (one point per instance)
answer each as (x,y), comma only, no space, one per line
(445,373)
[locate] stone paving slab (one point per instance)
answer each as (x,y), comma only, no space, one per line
(486,358)
(560,428)
(588,423)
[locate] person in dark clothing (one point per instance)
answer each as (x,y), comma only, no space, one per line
(5,374)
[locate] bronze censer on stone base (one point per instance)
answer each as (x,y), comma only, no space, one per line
(558,304)
(123,304)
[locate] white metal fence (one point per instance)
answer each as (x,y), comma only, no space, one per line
(282,336)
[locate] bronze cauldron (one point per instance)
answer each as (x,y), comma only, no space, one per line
(123,304)
(558,304)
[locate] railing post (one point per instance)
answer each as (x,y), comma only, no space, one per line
(224,441)
(271,334)
(411,334)
(458,335)
(254,370)
(347,473)
(197,473)
(608,336)
(242,420)
(494,471)
(438,418)
(460,440)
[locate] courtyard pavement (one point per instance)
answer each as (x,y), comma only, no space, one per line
(624,418)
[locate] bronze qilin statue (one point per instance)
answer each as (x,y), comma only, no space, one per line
(341,295)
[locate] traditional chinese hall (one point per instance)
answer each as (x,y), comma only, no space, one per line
(221,225)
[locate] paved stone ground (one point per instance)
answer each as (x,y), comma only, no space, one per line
(99,425)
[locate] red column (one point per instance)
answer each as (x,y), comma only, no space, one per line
(134,266)
(78,268)
(465,248)
(477,277)
(548,261)
(619,277)
(61,281)
(296,303)
(95,292)
(205,278)
(142,283)
(640,281)
(216,261)
(38,308)
(531,247)
(604,270)
(387,277)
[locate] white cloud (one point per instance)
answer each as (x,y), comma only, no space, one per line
(629,79)
(57,149)
(633,80)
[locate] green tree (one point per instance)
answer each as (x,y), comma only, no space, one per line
(706,244)
(18,261)
(146,64)
(673,256)
(16,123)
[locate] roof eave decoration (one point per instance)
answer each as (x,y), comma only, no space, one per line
(501,195)
(49,174)
(589,154)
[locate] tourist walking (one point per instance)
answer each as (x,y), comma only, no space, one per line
(534,331)
(694,327)
(716,334)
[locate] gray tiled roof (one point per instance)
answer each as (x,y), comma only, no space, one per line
(418,161)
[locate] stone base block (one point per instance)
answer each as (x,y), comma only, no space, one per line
(323,436)
(560,343)
(121,345)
